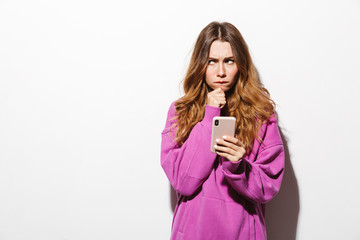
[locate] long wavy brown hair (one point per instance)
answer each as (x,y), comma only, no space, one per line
(248,101)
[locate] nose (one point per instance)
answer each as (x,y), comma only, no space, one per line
(221,71)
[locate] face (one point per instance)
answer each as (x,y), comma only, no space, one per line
(221,70)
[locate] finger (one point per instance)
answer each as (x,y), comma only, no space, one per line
(229,153)
(233,140)
(229,157)
(221,90)
(217,95)
(220,97)
(217,90)
(227,150)
(220,94)
(222,102)
(227,144)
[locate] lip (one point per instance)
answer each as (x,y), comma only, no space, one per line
(221,82)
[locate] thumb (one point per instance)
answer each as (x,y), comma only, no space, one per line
(221,90)
(218,90)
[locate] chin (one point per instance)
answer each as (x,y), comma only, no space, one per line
(225,88)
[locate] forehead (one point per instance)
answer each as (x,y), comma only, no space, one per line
(220,49)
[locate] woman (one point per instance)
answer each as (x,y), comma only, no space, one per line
(222,195)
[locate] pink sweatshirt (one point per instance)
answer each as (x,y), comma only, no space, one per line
(219,199)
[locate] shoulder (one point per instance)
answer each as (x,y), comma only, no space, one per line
(172,110)
(172,114)
(270,133)
(271,121)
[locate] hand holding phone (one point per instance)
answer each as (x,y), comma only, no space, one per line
(222,126)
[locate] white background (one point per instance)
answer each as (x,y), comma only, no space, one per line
(84,91)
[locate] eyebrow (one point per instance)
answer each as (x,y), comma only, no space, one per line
(226,58)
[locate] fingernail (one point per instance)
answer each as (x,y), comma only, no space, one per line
(217,140)
(215,146)
(224,137)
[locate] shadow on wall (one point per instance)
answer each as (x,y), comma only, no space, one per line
(282,212)
(173,198)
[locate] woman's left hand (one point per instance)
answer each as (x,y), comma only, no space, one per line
(230,147)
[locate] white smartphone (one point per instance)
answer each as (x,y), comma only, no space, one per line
(222,126)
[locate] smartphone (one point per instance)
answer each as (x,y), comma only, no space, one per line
(222,126)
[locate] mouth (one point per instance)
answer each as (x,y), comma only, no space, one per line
(221,82)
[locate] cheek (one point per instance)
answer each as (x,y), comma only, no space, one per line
(232,72)
(209,75)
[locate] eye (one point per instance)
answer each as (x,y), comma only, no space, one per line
(230,61)
(211,62)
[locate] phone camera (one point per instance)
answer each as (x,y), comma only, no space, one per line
(216,122)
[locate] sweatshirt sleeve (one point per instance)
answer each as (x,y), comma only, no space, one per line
(258,175)
(188,166)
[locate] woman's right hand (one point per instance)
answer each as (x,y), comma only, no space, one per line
(216,98)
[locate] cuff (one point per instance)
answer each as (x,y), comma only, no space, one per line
(233,167)
(210,113)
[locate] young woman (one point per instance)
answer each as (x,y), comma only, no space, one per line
(222,195)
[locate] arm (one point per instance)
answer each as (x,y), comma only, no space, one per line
(258,176)
(188,166)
